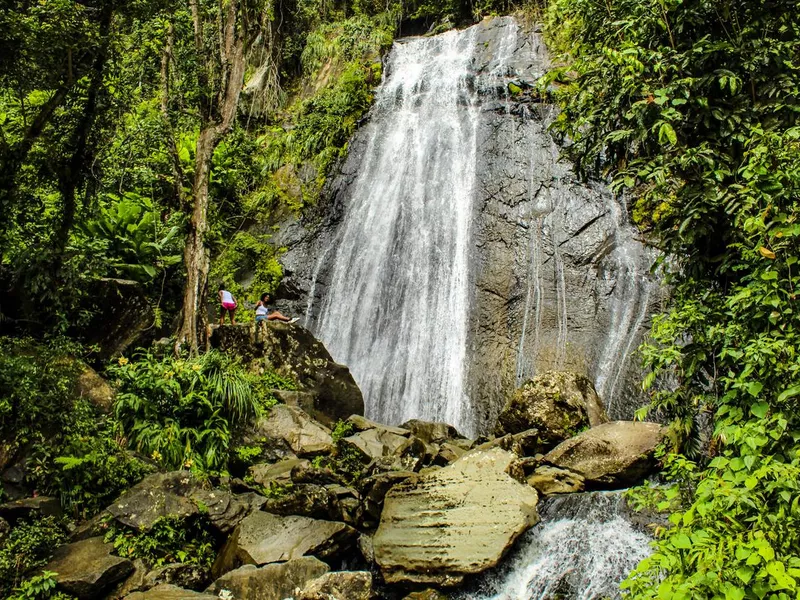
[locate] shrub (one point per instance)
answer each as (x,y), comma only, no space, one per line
(73,452)
(169,540)
(29,545)
(181,411)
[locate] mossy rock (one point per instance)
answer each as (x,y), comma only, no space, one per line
(558,404)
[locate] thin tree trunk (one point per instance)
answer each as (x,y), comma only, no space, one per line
(195,257)
(72,173)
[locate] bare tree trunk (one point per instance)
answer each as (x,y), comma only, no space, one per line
(221,116)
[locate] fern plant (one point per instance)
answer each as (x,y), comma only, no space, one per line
(181,412)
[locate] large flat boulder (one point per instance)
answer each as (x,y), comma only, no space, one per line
(459,520)
(157,496)
(264,538)
(304,435)
(177,494)
(616,454)
(557,403)
(293,352)
(375,443)
(87,569)
(270,582)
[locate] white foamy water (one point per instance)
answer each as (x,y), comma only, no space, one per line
(396,308)
(583,548)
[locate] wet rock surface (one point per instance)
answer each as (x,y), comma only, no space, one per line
(611,455)
(557,278)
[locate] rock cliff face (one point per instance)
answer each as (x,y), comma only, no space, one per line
(550,276)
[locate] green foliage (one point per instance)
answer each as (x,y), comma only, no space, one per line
(39,587)
(345,461)
(248,257)
(247,455)
(341,429)
(169,540)
(29,545)
(73,453)
(691,108)
(181,411)
(268,383)
(129,240)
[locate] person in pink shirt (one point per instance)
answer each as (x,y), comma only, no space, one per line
(228,303)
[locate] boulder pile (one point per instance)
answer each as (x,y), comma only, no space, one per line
(333,509)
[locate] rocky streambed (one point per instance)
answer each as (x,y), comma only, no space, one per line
(352,509)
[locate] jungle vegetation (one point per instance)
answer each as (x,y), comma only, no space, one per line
(160,141)
(692,109)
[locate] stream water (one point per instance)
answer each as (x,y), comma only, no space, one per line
(581,550)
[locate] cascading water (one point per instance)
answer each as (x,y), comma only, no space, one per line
(583,548)
(459,255)
(396,307)
(627,265)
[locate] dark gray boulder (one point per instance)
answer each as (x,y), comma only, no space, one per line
(293,352)
(26,508)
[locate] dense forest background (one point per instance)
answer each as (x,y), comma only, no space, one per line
(160,142)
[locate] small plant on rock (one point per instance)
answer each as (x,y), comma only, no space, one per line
(169,540)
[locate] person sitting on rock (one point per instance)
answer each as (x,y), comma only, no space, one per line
(263,313)
(228,305)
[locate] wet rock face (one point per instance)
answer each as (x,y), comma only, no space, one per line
(429,525)
(557,279)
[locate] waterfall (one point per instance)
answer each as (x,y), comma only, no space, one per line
(583,548)
(626,268)
(459,255)
(396,308)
